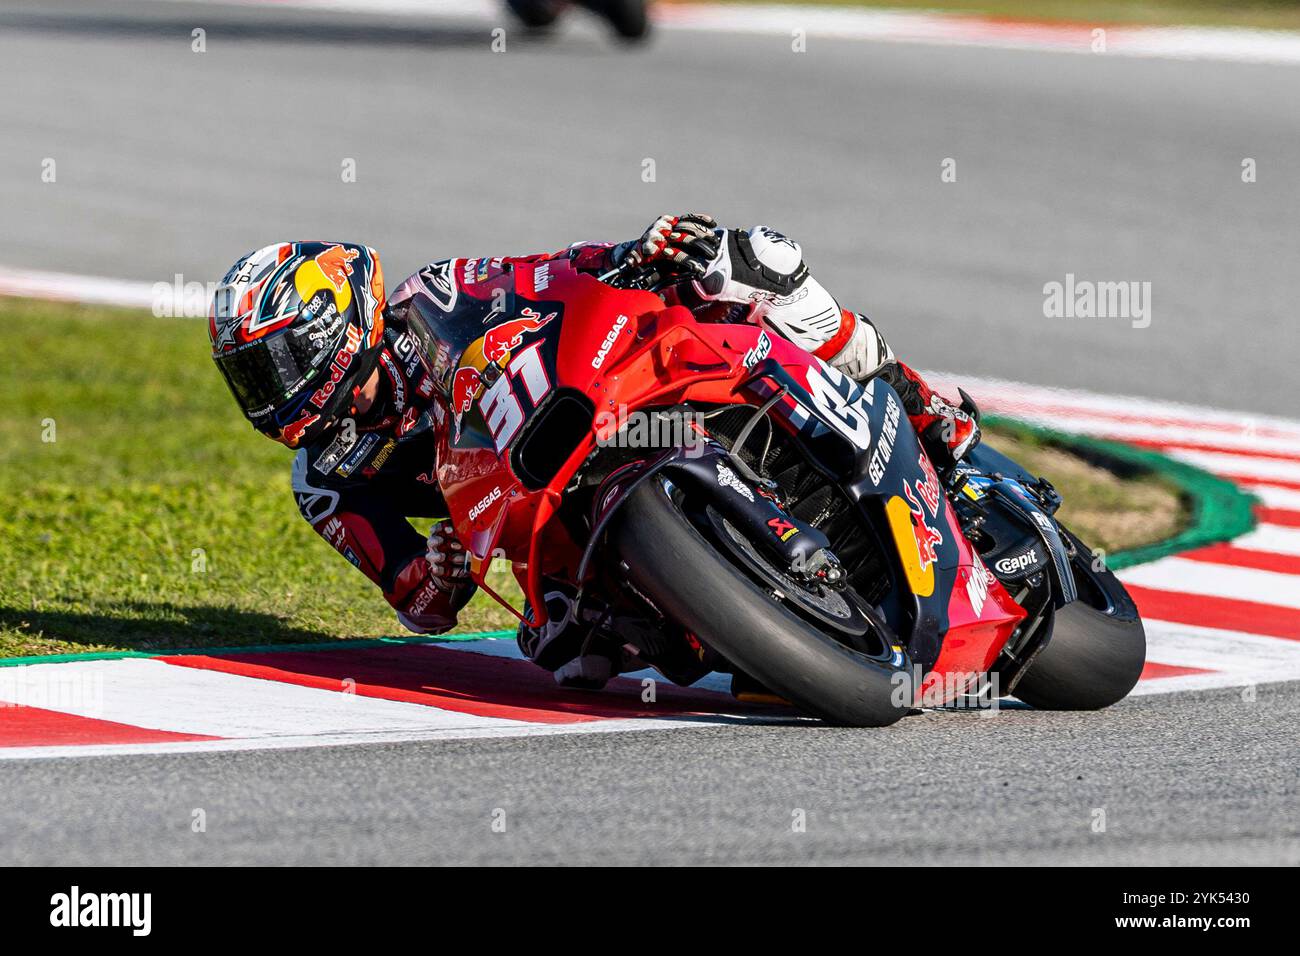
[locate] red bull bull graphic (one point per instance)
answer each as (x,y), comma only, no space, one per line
(927,538)
(501,339)
(464,389)
(497,344)
(916,541)
(336,265)
(328,270)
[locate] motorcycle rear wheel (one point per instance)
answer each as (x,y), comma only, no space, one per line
(697,586)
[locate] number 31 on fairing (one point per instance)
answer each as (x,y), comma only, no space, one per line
(501,407)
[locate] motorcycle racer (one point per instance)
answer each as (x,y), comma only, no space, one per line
(319,360)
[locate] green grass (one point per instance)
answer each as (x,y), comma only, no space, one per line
(158,519)
(1270,14)
(151,461)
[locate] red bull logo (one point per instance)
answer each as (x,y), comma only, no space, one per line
(929,488)
(465,385)
(338,366)
(927,538)
(336,265)
(497,344)
(502,339)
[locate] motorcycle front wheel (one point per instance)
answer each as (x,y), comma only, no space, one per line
(1097,649)
(698,586)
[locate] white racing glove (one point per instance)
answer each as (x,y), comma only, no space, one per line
(438,595)
(448,559)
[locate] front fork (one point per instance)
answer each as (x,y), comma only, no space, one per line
(756,509)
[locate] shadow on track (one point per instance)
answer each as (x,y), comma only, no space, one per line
(144,626)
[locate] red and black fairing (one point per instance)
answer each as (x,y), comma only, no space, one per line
(537,359)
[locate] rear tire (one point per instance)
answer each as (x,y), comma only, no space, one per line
(1097,649)
(690,581)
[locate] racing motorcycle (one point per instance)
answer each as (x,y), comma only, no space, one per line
(719,499)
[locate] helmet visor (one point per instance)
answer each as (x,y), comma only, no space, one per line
(268,371)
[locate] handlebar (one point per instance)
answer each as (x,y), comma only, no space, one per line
(638,275)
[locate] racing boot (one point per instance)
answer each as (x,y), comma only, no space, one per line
(948,432)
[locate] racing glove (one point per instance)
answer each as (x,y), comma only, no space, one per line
(678,243)
(433,587)
(448,559)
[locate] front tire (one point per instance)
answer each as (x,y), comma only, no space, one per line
(1097,649)
(690,581)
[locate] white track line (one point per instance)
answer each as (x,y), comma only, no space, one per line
(309,740)
(1220,463)
(1245,439)
(65,287)
(1202,578)
(1275,497)
(1234,658)
(1271,537)
(161,696)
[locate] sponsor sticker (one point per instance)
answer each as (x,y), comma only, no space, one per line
(353,461)
(728,479)
(485,502)
(884,448)
(1016,563)
(599,359)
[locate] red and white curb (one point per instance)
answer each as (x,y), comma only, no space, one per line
(877,25)
(1223,615)
(271,700)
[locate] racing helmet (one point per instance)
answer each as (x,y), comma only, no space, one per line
(296,331)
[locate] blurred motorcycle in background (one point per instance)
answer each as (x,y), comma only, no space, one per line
(627,17)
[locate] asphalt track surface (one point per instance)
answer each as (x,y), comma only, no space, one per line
(1112,169)
(1195,778)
